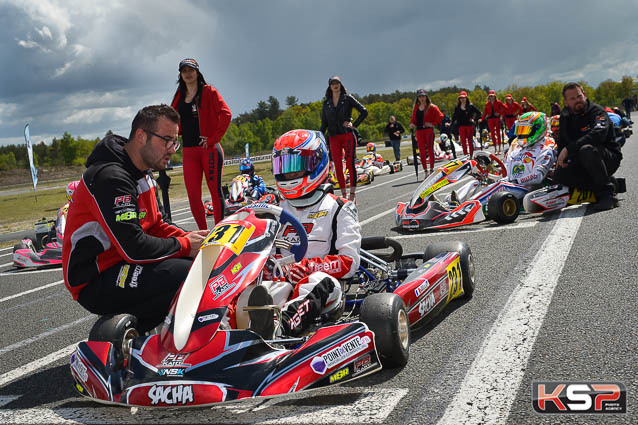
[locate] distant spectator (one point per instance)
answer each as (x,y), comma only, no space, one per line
(493,111)
(425,116)
(511,111)
(394,130)
(464,118)
(555,109)
(628,104)
(526,106)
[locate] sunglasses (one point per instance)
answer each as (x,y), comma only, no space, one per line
(169,143)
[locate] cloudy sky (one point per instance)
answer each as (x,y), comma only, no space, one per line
(85,66)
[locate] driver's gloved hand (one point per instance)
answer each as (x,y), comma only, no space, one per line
(296,272)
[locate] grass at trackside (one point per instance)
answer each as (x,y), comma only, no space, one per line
(19,212)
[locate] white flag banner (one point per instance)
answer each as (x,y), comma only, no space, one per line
(34,171)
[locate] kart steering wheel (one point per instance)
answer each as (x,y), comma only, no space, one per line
(298,250)
(495,166)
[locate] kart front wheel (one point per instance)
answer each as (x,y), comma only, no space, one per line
(386,316)
(467,260)
(120,330)
(503,207)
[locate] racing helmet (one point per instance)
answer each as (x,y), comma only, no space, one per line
(371,147)
(443,138)
(70,188)
(246,166)
(530,128)
(555,124)
(300,163)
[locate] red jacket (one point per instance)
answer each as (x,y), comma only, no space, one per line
(114,217)
(432,115)
(214,115)
(511,109)
(529,108)
(493,110)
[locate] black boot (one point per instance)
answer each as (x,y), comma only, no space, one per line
(261,321)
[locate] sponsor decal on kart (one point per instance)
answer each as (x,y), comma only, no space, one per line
(422,287)
(362,364)
(219,286)
(207,317)
(79,367)
(337,355)
(173,365)
(454,278)
(339,375)
(236,268)
(460,212)
(433,188)
(171,394)
(427,304)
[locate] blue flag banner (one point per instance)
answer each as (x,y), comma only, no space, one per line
(247,149)
(34,171)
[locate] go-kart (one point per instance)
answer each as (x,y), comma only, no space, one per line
(378,168)
(364,176)
(456,195)
(46,249)
(239,195)
(195,360)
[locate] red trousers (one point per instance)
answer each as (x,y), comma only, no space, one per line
(338,145)
(509,122)
(425,138)
(197,162)
(495,130)
(466,134)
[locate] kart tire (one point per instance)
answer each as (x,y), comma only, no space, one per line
(119,330)
(386,316)
(503,207)
(467,261)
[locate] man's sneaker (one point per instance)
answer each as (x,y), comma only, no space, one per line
(606,202)
(261,320)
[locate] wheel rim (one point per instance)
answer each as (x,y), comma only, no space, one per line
(470,267)
(509,207)
(127,341)
(404,329)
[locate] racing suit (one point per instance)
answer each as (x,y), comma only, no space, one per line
(593,153)
(118,255)
(528,166)
(257,186)
(334,240)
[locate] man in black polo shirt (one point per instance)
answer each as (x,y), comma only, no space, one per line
(588,152)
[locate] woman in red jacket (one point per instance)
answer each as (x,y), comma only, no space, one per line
(526,106)
(204,118)
(425,116)
(511,111)
(493,111)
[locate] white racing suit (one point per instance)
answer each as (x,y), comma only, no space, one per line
(528,166)
(311,286)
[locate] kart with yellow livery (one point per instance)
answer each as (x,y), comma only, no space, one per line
(460,192)
(364,176)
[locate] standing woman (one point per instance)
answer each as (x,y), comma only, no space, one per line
(204,118)
(464,118)
(336,116)
(512,110)
(493,111)
(526,106)
(425,116)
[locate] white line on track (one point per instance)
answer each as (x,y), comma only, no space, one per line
(6,264)
(443,232)
(21,272)
(5,249)
(43,335)
(374,186)
(39,288)
(491,384)
(36,364)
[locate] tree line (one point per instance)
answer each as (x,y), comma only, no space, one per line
(262,125)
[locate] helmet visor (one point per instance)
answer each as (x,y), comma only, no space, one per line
(523,130)
(292,162)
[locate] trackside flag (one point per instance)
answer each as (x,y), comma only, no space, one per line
(247,150)
(34,171)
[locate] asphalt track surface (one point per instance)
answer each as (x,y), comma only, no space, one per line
(555,301)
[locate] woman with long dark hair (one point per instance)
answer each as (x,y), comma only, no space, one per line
(204,118)
(425,116)
(336,117)
(464,118)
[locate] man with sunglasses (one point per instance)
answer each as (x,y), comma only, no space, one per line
(118,255)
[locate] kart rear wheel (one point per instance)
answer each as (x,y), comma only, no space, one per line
(386,316)
(120,330)
(503,207)
(467,261)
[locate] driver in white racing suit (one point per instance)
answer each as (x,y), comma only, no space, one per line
(310,287)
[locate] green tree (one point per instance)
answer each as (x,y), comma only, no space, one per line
(291,101)
(8,161)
